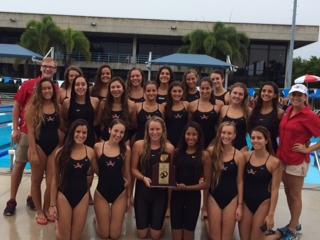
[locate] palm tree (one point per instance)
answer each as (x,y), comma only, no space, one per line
(40,36)
(218,43)
(75,40)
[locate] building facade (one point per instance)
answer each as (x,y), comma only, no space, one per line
(126,43)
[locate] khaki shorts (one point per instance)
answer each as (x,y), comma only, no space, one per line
(22,148)
(297,170)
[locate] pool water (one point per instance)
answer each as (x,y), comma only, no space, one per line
(5,136)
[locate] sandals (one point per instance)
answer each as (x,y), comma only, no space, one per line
(41,221)
(51,219)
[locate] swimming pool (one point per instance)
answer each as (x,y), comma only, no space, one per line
(5,136)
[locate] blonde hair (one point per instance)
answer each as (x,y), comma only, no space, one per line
(217,154)
(245,102)
(146,152)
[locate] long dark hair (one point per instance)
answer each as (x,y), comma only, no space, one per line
(257,108)
(208,80)
(97,80)
(106,116)
(64,154)
(183,146)
(168,108)
(74,94)
(171,75)
(266,135)
(66,75)
(36,103)
(122,143)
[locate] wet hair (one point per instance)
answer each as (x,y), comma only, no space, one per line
(266,135)
(183,147)
(36,104)
(66,75)
(208,80)
(217,154)
(245,101)
(128,83)
(74,94)
(97,80)
(170,72)
(257,108)
(64,155)
(122,143)
(184,78)
(168,107)
(146,152)
(106,116)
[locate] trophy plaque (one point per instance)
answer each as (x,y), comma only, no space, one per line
(163,172)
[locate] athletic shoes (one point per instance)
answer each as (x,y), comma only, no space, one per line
(299,229)
(30,203)
(10,208)
(290,235)
(284,229)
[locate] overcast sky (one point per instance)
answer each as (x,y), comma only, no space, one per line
(245,11)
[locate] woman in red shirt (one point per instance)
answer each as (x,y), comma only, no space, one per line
(296,128)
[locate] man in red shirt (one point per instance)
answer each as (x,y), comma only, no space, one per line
(19,135)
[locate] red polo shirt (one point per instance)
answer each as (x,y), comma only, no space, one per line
(297,129)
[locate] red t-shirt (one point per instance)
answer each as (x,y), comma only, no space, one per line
(23,96)
(297,129)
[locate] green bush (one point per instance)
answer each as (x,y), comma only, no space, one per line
(9,88)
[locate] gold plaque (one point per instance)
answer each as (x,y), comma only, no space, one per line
(164,173)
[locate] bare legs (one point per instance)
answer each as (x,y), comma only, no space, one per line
(70,221)
(221,221)
(109,220)
(293,189)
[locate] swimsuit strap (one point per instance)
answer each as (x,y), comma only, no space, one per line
(86,150)
(183,105)
(103,147)
(250,156)
(158,106)
(227,111)
(267,158)
(198,104)
(234,153)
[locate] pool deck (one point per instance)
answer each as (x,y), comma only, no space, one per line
(23,225)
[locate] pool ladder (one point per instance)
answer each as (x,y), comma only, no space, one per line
(316,156)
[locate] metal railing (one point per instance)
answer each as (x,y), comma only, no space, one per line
(108,57)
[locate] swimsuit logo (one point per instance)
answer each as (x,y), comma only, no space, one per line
(115,116)
(78,165)
(224,168)
(251,172)
(204,117)
(50,119)
(77,110)
(110,164)
(177,116)
(148,117)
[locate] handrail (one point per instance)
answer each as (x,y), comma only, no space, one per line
(108,57)
(316,156)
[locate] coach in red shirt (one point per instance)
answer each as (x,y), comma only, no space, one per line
(298,125)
